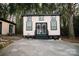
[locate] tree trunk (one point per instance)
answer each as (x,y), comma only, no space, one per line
(71,28)
(71,14)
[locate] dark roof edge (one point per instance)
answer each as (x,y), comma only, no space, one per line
(7,21)
(43,15)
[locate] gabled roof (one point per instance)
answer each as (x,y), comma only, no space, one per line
(7,21)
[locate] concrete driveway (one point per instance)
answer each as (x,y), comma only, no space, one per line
(25,47)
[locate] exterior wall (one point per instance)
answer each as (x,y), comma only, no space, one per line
(13,29)
(35,19)
(5,28)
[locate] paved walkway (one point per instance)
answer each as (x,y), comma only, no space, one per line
(30,47)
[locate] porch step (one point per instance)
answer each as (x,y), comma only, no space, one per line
(41,37)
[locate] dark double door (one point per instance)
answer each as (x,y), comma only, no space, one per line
(10,28)
(41,30)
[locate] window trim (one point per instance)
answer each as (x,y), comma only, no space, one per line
(29,19)
(53,18)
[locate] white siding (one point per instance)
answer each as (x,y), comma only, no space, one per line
(35,19)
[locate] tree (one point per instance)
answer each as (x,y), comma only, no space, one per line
(71,11)
(67,12)
(3,10)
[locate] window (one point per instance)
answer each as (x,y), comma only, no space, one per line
(29,23)
(41,18)
(53,23)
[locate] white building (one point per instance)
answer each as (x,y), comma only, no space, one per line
(41,26)
(7,27)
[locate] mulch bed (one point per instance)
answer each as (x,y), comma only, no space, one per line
(6,40)
(75,40)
